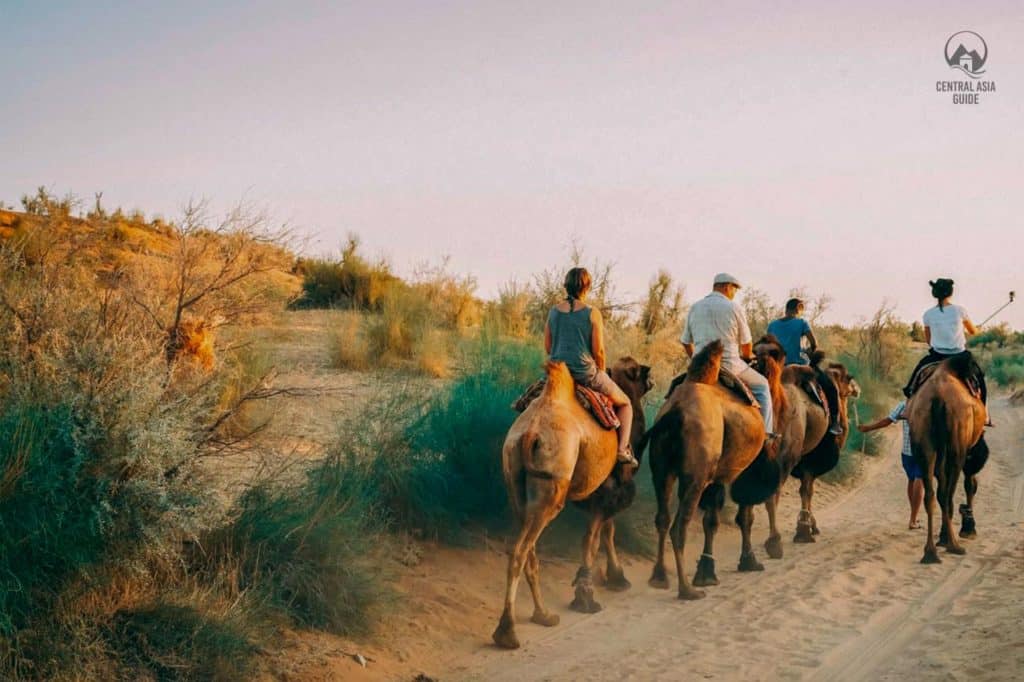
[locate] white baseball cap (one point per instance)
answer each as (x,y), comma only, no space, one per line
(726,278)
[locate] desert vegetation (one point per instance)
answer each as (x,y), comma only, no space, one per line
(129,376)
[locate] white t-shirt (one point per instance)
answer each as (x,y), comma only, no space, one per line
(947,328)
(715,317)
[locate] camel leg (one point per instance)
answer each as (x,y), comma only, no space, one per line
(548,498)
(689,496)
(541,615)
(745,520)
(967,527)
(584,584)
(773,545)
(953,545)
(931,556)
(804,522)
(615,577)
(662,490)
(705,574)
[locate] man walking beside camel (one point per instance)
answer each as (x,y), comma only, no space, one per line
(718,317)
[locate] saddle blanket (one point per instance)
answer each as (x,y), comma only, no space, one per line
(597,404)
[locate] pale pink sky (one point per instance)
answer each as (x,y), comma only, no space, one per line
(788,143)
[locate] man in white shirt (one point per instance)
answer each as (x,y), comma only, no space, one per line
(718,317)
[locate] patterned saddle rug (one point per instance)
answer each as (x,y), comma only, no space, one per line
(597,404)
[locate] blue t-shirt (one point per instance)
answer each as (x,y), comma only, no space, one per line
(789,332)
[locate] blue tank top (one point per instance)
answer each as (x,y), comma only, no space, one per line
(571,333)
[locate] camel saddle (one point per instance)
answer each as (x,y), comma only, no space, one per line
(926,372)
(597,404)
(807,379)
(726,379)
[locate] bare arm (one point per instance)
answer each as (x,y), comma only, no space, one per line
(747,350)
(688,347)
(969,327)
(811,340)
(874,426)
(547,338)
(928,335)
(597,338)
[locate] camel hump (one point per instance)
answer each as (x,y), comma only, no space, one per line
(559,384)
(705,365)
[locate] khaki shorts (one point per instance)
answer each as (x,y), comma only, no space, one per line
(602,383)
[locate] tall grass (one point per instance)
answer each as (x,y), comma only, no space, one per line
(310,551)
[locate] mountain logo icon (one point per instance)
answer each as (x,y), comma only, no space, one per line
(968,52)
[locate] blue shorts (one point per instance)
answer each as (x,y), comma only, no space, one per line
(910,466)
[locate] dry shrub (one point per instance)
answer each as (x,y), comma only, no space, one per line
(452,297)
(510,314)
(433,355)
(348,344)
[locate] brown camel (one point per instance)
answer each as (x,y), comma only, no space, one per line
(823,458)
(947,422)
(802,424)
(556,452)
(703,437)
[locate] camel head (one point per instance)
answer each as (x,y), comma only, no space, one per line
(770,356)
(632,377)
(847,385)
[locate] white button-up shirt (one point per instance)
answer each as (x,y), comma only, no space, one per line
(715,317)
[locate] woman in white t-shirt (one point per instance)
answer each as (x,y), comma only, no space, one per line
(946,328)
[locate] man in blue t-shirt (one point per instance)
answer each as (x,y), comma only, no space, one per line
(791,330)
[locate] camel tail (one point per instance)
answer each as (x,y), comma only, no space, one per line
(942,438)
(528,450)
(705,365)
(671,419)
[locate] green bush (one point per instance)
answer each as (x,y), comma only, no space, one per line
(1006,368)
(310,550)
(54,511)
(351,282)
(462,431)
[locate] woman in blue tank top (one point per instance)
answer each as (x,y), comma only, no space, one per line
(574,334)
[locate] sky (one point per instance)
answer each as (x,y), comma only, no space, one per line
(788,143)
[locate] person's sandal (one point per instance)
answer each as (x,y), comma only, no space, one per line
(626,457)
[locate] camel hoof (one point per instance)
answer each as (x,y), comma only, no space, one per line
(931,557)
(659,578)
(815,531)
(748,562)
(690,594)
(955,549)
(617,582)
(803,535)
(584,605)
(773,547)
(964,533)
(545,618)
(505,634)
(705,575)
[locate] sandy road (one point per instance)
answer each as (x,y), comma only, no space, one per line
(855,605)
